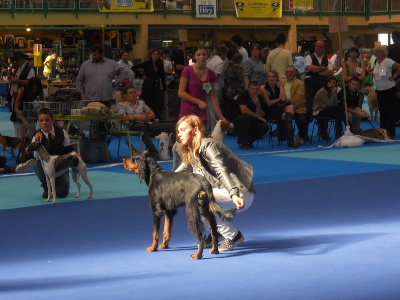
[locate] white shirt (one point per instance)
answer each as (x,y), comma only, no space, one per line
(244,53)
(382,72)
(167,66)
(218,66)
(18,73)
(308,61)
(287,87)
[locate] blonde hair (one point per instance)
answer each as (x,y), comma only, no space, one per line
(192,150)
(382,48)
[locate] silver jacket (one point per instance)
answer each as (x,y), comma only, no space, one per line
(223,168)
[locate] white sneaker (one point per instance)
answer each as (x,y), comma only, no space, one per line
(25,166)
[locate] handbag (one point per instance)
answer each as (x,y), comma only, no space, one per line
(14,118)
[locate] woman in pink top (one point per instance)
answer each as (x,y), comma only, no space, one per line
(197,83)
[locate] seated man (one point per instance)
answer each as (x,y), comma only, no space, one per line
(354,111)
(139,117)
(250,124)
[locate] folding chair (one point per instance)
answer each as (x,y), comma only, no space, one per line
(126,134)
(318,121)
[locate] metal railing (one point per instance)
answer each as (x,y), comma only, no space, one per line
(320,7)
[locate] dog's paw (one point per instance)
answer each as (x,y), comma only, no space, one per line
(151,249)
(195,256)
(214,251)
(163,246)
(54,201)
(77,195)
(47,200)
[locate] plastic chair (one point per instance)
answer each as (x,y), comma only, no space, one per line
(318,121)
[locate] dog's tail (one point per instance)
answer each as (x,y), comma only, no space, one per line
(215,208)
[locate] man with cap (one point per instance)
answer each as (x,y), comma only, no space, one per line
(21,78)
(24,71)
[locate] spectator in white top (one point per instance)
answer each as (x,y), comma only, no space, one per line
(168,67)
(237,43)
(386,89)
(218,64)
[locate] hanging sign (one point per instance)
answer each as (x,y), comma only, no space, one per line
(301,4)
(108,6)
(206,8)
(258,8)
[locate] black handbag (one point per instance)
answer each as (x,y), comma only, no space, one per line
(14,118)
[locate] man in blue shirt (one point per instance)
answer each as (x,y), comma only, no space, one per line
(98,76)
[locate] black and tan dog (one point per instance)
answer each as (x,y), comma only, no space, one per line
(10,143)
(168,191)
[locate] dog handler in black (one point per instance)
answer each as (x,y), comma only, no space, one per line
(230,177)
(56,141)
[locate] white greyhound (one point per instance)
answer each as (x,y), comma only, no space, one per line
(51,163)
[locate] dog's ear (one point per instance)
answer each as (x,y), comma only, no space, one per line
(143,170)
(129,165)
(226,126)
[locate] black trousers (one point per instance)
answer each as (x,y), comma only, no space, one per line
(249,129)
(153,128)
(153,97)
(334,112)
(387,105)
(302,124)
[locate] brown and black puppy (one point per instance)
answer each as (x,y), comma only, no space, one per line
(10,143)
(374,135)
(372,103)
(222,127)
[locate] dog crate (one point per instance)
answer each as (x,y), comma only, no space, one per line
(85,129)
(31,109)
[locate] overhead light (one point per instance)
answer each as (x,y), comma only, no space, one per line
(28,29)
(167,41)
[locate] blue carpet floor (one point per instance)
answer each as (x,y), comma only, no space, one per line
(324,225)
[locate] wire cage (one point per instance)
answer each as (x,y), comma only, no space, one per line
(31,109)
(86,129)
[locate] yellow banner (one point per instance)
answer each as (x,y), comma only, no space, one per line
(258,8)
(303,4)
(125,5)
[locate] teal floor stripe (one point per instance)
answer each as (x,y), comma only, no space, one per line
(387,153)
(25,191)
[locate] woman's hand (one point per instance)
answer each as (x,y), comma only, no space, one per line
(202,105)
(239,202)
